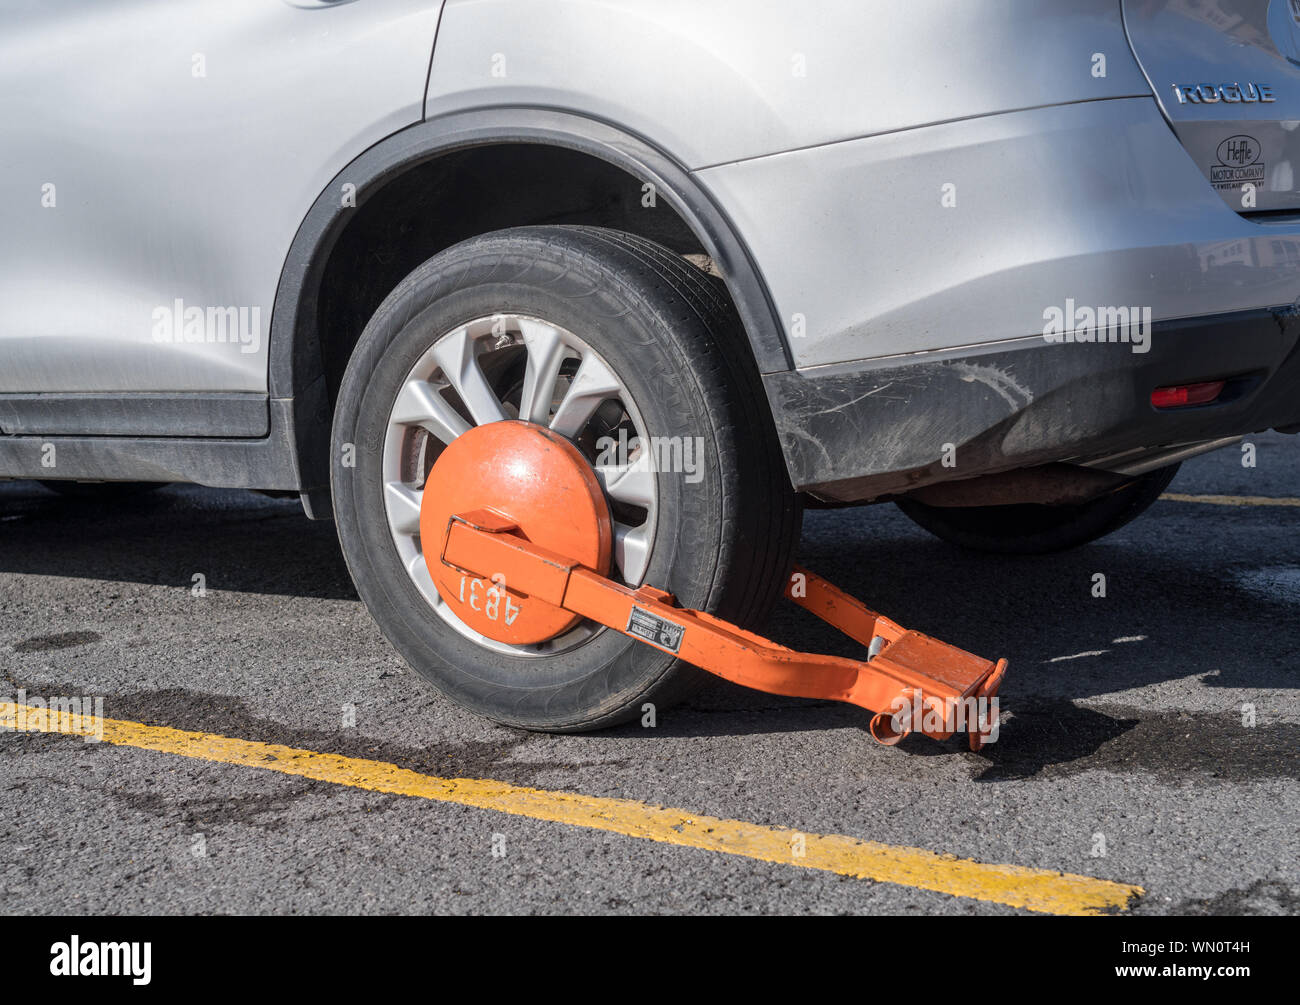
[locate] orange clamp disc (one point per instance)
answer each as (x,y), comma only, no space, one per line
(537,480)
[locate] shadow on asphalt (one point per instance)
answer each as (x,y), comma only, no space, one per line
(1172,600)
(240,541)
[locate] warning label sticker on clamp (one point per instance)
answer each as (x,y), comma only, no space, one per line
(654,629)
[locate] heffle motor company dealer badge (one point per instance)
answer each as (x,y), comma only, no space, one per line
(1238,162)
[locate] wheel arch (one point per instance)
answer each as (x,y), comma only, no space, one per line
(298,373)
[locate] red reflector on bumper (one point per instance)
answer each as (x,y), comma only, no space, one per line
(1186,394)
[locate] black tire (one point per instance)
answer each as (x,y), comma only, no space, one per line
(725,544)
(1033,529)
(104,491)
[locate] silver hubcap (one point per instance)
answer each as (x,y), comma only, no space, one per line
(509,366)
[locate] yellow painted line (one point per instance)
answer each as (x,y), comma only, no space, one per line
(1233,500)
(1017,886)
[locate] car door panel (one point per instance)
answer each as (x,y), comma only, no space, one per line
(158,159)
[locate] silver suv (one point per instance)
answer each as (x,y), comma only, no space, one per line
(1003,264)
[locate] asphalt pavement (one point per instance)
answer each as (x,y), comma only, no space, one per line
(1149,736)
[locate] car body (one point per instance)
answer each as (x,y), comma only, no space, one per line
(908,203)
(804,148)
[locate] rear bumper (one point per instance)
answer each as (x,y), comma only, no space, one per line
(862,430)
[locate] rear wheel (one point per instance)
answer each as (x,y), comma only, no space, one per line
(1033,529)
(621,347)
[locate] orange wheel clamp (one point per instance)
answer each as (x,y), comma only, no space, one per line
(517,537)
